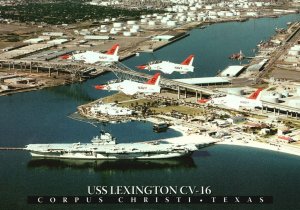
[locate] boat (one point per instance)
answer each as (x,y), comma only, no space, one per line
(160,127)
(104,147)
(237,56)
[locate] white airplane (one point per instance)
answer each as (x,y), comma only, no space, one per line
(130,87)
(235,102)
(93,57)
(169,67)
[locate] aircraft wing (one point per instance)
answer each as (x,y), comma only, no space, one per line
(167,71)
(129,91)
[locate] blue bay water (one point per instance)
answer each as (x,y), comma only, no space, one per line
(213,45)
(42,117)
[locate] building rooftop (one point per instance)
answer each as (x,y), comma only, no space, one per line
(231,71)
(205,80)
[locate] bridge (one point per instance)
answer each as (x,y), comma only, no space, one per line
(123,72)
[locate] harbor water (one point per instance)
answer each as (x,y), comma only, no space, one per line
(43,117)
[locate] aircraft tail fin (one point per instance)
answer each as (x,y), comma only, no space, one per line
(255,95)
(113,50)
(188,61)
(154,80)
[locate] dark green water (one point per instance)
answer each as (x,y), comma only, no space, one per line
(41,116)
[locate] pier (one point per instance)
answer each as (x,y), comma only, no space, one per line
(12,148)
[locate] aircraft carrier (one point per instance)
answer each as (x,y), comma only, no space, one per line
(104,146)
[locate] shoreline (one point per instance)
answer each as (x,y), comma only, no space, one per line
(287,149)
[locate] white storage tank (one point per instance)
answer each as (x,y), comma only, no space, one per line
(144,21)
(152,23)
(133,30)
(117,25)
(131,22)
(229,14)
(221,13)
(137,27)
(127,33)
(169,16)
(171,23)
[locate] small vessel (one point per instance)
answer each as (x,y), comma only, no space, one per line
(160,127)
(104,146)
(237,56)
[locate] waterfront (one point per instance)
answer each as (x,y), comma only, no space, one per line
(41,116)
(213,45)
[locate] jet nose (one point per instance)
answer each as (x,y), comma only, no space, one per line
(141,67)
(99,87)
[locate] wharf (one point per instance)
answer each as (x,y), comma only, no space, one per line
(11,148)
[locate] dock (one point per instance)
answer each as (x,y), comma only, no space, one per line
(12,148)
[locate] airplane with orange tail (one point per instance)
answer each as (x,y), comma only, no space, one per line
(130,87)
(169,67)
(235,102)
(93,57)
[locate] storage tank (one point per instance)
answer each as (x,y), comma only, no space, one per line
(163,21)
(127,33)
(136,27)
(133,30)
(169,16)
(131,22)
(144,21)
(229,14)
(221,13)
(171,23)
(117,29)
(152,23)
(117,25)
